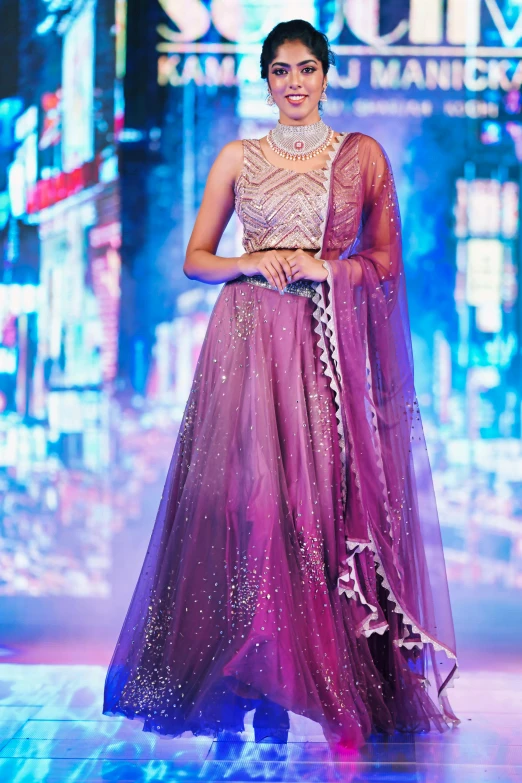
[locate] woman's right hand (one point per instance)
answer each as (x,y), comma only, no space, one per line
(272,264)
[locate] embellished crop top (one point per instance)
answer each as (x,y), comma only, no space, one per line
(279,208)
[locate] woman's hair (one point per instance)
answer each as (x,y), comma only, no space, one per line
(296,30)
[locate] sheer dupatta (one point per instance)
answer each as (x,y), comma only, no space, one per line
(392,529)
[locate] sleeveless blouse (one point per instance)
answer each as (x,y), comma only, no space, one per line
(279,208)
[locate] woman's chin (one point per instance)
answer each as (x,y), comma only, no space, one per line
(296,113)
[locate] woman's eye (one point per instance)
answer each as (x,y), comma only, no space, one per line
(283,71)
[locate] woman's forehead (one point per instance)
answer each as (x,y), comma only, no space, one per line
(293,53)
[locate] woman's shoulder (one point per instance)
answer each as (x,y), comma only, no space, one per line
(232,151)
(229,160)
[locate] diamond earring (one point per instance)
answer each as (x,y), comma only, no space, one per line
(270,99)
(324,96)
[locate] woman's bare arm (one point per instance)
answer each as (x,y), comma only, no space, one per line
(217,206)
(201,261)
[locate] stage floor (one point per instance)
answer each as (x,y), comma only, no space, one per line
(52,731)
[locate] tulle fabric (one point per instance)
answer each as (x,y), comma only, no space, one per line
(238,598)
(392,529)
(289,559)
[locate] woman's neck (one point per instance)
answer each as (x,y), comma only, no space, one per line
(310,120)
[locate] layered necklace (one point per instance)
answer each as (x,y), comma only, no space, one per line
(300,142)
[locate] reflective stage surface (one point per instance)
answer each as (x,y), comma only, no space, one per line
(52,731)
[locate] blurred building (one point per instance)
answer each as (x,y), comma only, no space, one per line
(59,295)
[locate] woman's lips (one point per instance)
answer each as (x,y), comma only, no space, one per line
(295,100)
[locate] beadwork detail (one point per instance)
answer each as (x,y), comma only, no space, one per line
(300,142)
(279,208)
(300,287)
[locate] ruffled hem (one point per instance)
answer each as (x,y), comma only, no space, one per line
(347,581)
(349,585)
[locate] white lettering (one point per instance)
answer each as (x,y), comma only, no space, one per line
(497,75)
(516,79)
(463,22)
(236,21)
(471,79)
(220,73)
(457,74)
(192,71)
(168,70)
(247,70)
(426,21)
(474,74)
(191,16)
(352,78)
(362,17)
(438,74)
(510,37)
(239,21)
(413,74)
(394,107)
(385,76)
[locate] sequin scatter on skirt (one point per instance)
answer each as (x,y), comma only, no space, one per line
(238,599)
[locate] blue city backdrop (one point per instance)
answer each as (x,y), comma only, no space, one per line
(111,114)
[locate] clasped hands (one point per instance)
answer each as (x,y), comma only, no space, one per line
(281,267)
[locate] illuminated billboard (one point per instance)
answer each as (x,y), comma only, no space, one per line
(458,58)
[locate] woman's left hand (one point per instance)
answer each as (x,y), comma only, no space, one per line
(304,265)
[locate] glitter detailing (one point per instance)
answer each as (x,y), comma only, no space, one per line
(300,287)
(278,207)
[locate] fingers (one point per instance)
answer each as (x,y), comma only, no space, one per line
(278,273)
(294,260)
(287,270)
(281,267)
(292,255)
(268,273)
(274,275)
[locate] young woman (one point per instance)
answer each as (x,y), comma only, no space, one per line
(296,561)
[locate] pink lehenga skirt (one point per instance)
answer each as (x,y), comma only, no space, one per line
(238,598)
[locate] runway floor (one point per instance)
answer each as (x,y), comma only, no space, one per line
(52,731)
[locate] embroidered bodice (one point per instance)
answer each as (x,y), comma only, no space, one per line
(278,208)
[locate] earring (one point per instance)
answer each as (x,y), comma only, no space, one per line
(270,99)
(324,96)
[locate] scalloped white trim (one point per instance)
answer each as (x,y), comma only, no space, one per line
(351,576)
(425,638)
(324,326)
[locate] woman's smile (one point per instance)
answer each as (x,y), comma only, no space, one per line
(296,98)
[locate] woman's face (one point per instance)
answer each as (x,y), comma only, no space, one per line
(296,81)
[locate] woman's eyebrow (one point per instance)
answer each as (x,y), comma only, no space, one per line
(285,65)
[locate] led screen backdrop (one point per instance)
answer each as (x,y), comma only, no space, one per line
(100,330)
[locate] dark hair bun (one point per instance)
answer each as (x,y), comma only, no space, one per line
(296,30)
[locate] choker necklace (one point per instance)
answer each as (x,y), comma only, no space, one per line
(300,142)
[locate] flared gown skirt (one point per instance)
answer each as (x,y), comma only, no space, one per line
(237,600)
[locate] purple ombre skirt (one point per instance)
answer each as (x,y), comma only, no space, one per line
(237,600)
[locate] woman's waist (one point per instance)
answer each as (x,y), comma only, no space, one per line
(264,247)
(299,287)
